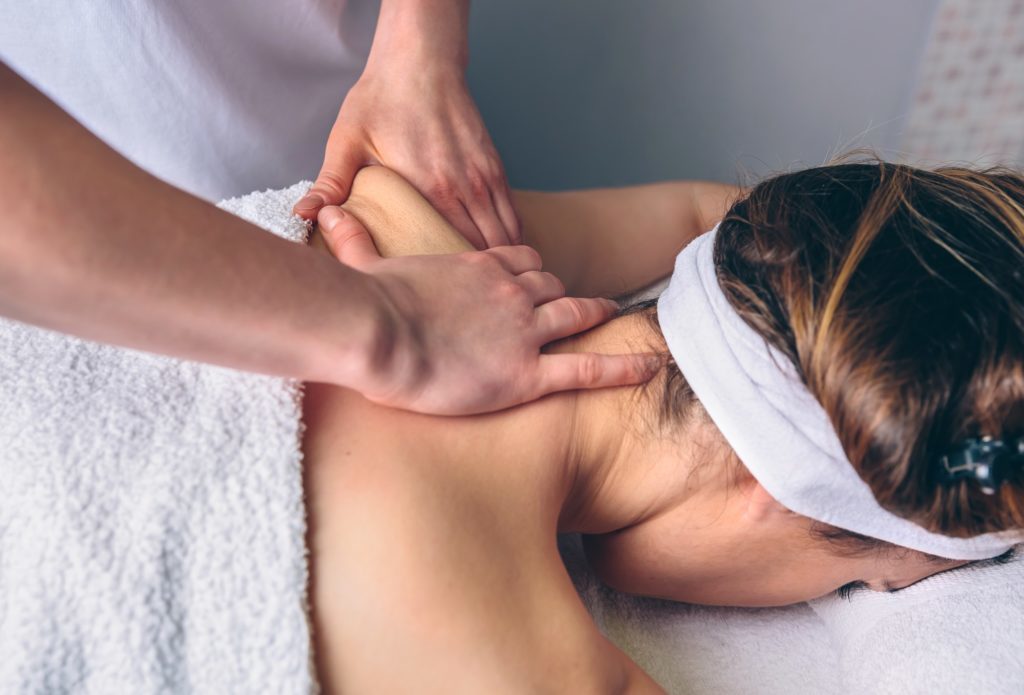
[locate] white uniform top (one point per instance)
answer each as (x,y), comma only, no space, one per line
(219,97)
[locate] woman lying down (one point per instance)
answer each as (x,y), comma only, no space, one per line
(842,406)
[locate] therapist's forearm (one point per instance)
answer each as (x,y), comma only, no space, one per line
(421,33)
(93,246)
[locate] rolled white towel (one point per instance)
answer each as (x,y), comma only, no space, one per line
(152,527)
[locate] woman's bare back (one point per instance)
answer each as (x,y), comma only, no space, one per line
(432,569)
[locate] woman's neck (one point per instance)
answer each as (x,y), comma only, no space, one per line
(611,468)
(573,445)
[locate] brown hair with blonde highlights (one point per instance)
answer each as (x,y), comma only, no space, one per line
(898,294)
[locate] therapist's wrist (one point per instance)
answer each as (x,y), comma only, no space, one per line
(421,34)
(396,80)
(372,346)
(415,58)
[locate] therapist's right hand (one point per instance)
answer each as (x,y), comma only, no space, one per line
(464,331)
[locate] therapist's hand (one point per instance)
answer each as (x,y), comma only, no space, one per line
(465,330)
(411,111)
(422,122)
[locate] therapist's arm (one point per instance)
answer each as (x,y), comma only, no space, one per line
(605,242)
(92,246)
(412,112)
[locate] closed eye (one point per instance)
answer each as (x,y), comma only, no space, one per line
(847,589)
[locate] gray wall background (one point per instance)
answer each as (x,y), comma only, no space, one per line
(581,93)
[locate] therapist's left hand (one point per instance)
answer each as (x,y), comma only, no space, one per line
(422,122)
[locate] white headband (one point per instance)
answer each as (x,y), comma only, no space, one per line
(774,424)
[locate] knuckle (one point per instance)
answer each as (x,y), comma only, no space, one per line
(556,284)
(533,256)
(576,313)
(511,290)
(590,370)
(475,258)
(328,183)
(478,185)
(324,190)
(442,190)
(495,264)
(492,170)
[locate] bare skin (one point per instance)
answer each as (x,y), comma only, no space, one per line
(434,563)
(412,112)
(133,261)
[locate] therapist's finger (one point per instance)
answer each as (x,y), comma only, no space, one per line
(542,287)
(517,259)
(485,217)
(347,238)
(333,184)
(484,178)
(570,315)
(507,213)
(588,370)
(444,199)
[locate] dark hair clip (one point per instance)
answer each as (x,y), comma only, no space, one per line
(984,459)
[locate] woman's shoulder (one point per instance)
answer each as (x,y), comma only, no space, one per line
(401,221)
(426,551)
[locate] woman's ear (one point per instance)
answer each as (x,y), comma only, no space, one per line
(760,506)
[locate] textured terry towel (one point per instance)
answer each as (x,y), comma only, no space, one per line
(956,632)
(151,516)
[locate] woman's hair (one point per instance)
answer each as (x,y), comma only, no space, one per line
(898,294)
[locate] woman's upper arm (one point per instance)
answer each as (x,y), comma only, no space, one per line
(611,241)
(400,221)
(600,242)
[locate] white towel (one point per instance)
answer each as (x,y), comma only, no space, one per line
(957,632)
(698,650)
(151,516)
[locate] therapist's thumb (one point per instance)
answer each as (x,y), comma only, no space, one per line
(334,182)
(347,238)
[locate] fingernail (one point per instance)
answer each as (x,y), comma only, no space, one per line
(329,217)
(310,201)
